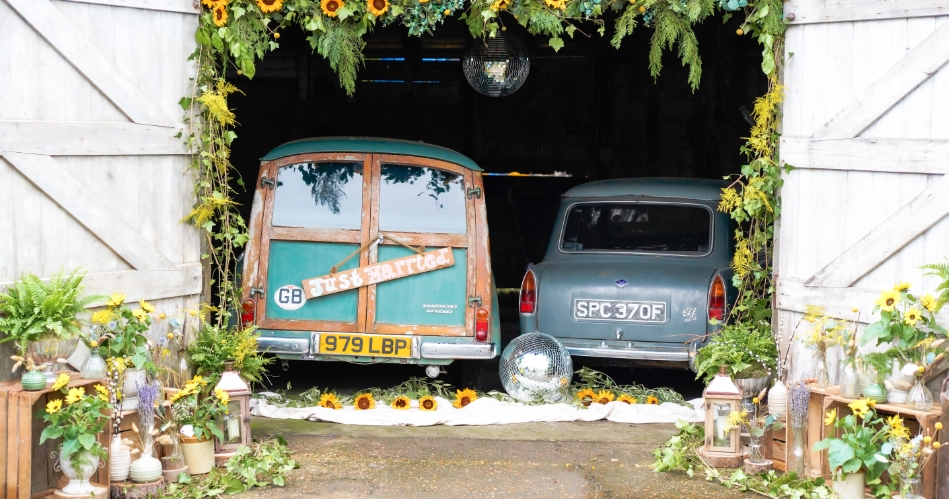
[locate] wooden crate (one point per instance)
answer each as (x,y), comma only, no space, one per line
(26,468)
(776,448)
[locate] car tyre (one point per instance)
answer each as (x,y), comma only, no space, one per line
(472,375)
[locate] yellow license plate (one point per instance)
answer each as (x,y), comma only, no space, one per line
(369,345)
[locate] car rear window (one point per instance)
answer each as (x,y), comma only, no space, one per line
(421,199)
(639,227)
(320,195)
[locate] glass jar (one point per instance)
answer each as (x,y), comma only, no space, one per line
(919,397)
(755,453)
(911,487)
(94,367)
(849,380)
(822,376)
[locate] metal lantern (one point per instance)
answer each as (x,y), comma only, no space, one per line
(236,423)
(497,66)
(722,397)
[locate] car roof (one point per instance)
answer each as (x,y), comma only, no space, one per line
(370,145)
(663,187)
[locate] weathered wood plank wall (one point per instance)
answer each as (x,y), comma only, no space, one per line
(92,174)
(865,122)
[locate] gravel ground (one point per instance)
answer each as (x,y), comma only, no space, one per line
(536,461)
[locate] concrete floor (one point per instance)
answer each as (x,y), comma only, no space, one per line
(536,461)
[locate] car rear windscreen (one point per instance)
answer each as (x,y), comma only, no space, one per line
(638,227)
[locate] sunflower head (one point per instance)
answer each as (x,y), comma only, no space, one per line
(427,403)
(929,303)
(604,397)
(329,401)
(103,317)
(903,286)
(115,300)
(364,402)
(888,300)
(626,399)
(377,7)
(269,5)
(74,395)
(219,14)
(896,428)
(401,403)
(330,7)
(148,307)
(464,397)
(652,400)
(912,316)
(141,315)
(585,396)
(556,4)
(61,381)
(860,408)
(223,396)
(830,417)
(54,406)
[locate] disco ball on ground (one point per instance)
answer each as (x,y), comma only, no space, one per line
(496,66)
(535,366)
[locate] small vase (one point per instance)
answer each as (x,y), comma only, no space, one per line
(78,479)
(919,397)
(120,459)
(911,488)
(131,380)
(778,400)
(798,450)
(822,376)
(850,486)
(94,367)
(33,381)
(145,469)
(875,392)
(896,397)
(199,455)
(849,381)
(755,454)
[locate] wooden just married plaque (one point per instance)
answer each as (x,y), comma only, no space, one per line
(378,272)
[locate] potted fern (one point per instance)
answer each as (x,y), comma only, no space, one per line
(41,317)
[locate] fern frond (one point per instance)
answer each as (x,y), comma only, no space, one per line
(625,24)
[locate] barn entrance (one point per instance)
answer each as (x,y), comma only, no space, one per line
(587,112)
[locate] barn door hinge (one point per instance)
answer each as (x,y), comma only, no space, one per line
(264,181)
(474,299)
(474,192)
(257,291)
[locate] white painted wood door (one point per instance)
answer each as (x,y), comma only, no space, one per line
(866,123)
(92,174)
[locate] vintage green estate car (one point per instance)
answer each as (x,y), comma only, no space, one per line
(634,270)
(370,250)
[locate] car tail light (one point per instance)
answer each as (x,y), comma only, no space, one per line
(716,299)
(248,312)
(481,324)
(528,299)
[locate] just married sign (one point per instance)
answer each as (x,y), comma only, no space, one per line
(378,272)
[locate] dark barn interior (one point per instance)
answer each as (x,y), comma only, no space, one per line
(589,110)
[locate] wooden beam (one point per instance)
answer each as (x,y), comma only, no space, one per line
(794,296)
(908,223)
(137,285)
(917,66)
(53,26)
(88,139)
(869,155)
(836,11)
(183,6)
(89,210)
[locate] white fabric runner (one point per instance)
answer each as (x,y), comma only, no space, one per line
(485,411)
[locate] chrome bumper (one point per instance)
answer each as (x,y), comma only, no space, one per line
(420,349)
(434,350)
(626,350)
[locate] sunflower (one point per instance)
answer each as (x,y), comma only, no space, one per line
(223,396)
(911,316)
(220,14)
(364,402)
(329,401)
(903,286)
(627,399)
(831,417)
(74,395)
(270,5)
(377,7)
(859,408)
(209,3)
(928,302)
(604,397)
(897,428)
(148,307)
(888,300)
(401,403)
(464,397)
(115,300)
(652,400)
(331,6)
(54,406)
(103,393)
(556,4)
(103,317)
(61,381)
(585,396)
(427,403)
(500,5)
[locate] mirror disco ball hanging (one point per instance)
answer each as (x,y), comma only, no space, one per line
(497,66)
(536,366)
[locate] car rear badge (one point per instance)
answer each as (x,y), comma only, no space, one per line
(621,283)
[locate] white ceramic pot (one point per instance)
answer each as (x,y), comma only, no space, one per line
(851,486)
(778,400)
(78,479)
(199,455)
(145,469)
(896,397)
(131,380)
(120,458)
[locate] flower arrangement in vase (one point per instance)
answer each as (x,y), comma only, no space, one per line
(857,454)
(909,455)
(755,424)
(195,410)
(125,342)
(146,468)
(826,331)
(77,420)
(214,345)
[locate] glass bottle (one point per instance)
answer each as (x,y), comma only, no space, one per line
(823,377)
(94,367)
(755,454)
(798,450)
(911,487)
(919,397)
(849,379)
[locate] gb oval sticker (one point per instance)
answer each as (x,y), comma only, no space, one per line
(289,297)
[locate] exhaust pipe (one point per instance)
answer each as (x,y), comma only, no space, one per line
(284,365)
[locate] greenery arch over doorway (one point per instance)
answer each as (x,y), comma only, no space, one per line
(237,33)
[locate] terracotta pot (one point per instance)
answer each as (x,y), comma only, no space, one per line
(199,455)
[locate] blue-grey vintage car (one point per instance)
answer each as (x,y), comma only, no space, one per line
(635,269)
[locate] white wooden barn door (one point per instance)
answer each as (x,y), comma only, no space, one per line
(866,122)
(91,173)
